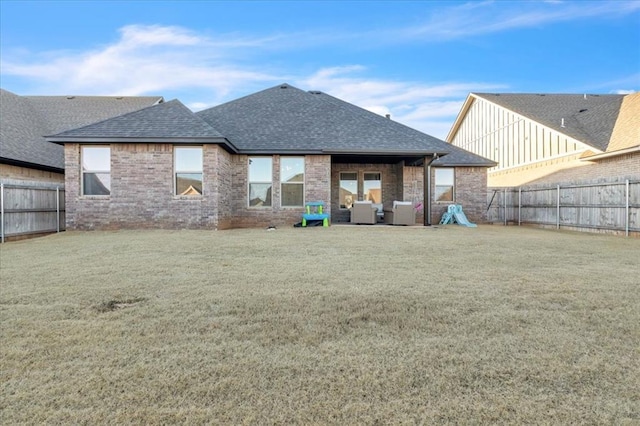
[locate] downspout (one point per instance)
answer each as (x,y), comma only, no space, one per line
(427,189)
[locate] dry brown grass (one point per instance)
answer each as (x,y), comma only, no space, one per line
(345,325)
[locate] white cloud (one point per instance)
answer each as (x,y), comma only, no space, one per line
(430,108)
(203,71)
(144,60)
(486,17)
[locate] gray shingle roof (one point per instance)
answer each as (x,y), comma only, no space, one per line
(168,120)
(284,118)
(27,119)
(587,118)
(460,157)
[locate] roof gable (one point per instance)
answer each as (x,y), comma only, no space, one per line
(168,120)
(284,118)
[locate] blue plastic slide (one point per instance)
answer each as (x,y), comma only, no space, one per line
(454,214)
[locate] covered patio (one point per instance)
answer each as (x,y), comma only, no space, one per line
(382,178)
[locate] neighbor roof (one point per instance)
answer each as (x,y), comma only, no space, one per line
(170,121)
(587,118)
(460,157)
(626,133)
(284,119)
(27,119)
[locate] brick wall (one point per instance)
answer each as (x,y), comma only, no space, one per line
(621,167)
(470,193)
(317,188)
(142,193)
(567,170)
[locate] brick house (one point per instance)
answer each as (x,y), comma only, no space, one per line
(255,161)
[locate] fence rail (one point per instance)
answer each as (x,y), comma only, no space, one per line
(606,206)
(27,209)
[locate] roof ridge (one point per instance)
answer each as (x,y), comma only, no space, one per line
(122,115)
(371,116)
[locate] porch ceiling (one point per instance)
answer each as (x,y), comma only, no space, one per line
(410,160)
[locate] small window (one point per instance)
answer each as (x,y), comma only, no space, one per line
(260,181)
(348,189)
(444,185)
(188,170)
(96,170)
(372,187)
(292,181)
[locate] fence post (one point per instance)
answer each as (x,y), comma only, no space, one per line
(505,206)
(2,211)
(57,209)
(558,209)
(519,205)
(626,209)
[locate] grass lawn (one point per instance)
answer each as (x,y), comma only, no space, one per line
(343,325)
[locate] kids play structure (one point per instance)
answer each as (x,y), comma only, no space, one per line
(314,211)
(454,214)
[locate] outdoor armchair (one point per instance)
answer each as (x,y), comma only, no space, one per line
(363,212)
(402,213)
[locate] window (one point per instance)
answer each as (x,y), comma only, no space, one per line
(348,189)
(372,186)
(292,181)
(444,184)
(188,170)
(96,170)
(260,181)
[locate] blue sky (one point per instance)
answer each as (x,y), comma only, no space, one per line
(416,60)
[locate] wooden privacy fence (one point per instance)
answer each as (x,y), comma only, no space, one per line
(30,208)
(597,206)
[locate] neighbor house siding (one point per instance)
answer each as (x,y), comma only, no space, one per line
(522,147)
(16,173)
(142,191)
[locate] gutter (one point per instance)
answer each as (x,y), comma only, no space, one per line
(61,140)
(427,190)
(610,154)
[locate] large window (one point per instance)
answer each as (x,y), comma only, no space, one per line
(260,181)
(372,187)
(292,181)
(96,170)
(444,184)
(188,170)
(348,189)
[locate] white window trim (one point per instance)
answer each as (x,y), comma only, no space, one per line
(82,171)
(303,183)
(357,186)
(249,182)
(453,187)
(176,171)
(371,172)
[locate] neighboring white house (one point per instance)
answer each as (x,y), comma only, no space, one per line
(551,137)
